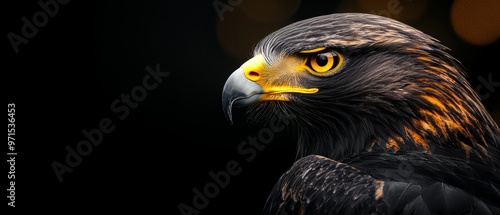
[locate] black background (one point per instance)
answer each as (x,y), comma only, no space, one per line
(66,77)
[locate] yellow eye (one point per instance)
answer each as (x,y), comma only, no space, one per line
(324,62)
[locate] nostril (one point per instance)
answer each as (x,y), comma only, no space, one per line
(254,74)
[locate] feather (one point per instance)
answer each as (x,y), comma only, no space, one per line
(396,129)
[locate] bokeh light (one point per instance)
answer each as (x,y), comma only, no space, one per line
(477,22)
(270,10)
(249,22)
(402,10)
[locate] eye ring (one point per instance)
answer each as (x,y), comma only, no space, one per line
(324,62)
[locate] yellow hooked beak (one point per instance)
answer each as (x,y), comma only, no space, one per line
(255,81)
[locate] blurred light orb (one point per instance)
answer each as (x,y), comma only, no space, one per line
(270,11)
(247,23)
(402,10)
(477,22)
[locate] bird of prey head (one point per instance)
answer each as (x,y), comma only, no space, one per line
(352,83)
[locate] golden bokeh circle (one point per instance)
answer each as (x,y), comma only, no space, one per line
(247,23)
(238,34)
(269,11)
(477,22)
(401,10)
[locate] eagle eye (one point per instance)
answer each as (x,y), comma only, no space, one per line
(324,62)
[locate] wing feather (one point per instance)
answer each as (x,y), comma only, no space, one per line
(319,185)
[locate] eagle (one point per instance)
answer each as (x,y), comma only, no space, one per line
(384,118)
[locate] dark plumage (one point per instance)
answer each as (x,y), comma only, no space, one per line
(396,116)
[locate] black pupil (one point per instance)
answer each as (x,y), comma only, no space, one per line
(321,60)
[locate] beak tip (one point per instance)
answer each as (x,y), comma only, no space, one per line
(238,91)
(227,107)
(228,113)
